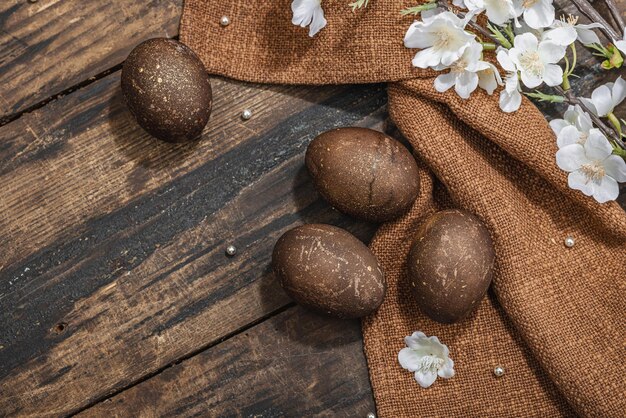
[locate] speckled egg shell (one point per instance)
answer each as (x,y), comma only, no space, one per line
(327,269)
(450,265)
(167,90)
(363,173)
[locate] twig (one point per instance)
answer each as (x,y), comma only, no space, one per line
(588,10)
(569,95)
(617,15)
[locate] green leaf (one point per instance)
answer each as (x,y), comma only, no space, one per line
(358,4)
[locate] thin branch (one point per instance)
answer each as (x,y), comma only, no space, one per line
(588,10)
(617,15)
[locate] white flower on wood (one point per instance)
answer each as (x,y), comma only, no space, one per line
(537,60)
(497,11)
(592,167)
(427,357)
(308,13)
(573,128)
(567,30)
(605,98)
(464,73)
(441,38)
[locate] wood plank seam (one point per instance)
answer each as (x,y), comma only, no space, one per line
(189,355)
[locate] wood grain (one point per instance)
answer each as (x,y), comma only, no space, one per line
(112,263)
(49,46)
(113,251)
(294,364)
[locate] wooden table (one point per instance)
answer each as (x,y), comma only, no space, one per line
(116,295)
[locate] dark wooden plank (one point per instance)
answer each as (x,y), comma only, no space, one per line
(113,243)
(49,46)
(295,364)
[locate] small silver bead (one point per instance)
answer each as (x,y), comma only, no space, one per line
(371,415)
(498,371)
(224,21)
(569,242)
(231,250)
(246,114)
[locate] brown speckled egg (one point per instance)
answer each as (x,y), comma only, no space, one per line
(329,270)
(363,173)
(450,265)
(167,90)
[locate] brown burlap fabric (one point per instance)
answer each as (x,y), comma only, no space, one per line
(555,316)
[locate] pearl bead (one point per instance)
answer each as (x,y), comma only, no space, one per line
(371,415)
(231,250)
(224,21)
(569,242)
(498,371)
(246,114)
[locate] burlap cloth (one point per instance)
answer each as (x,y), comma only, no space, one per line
(555,317)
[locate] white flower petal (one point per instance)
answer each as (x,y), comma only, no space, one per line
(510,102)
(526,42)
(466,83)
(569,135)
(618,92)
(540,15)
(597,147)
(589,105)
(489,79)
(606,191)
(571,157)
(308,12)
(558,125)
(417,37)
(425,379)
(553,75)
(587,36)
(530,80)
(615,167)
(563,35)
(426,58)
(602,100)
(550,52)
(409,359)
(444,82)
(505,61)
(318,22)
(578,181)
(621,45)
(447,371)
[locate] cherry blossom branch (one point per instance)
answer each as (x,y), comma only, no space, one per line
(588,10)
(615,12)
(567,94)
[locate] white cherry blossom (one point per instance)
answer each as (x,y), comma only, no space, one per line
(441,38)
(463,73)
(592,167)
(537,60)
(605,98)
(573,128)
(567,30)
(497,11)
(510,96)
(537,13)
(308,12)
(427,357)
